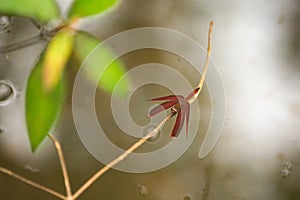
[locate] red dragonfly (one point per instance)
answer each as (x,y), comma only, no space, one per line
(180,105)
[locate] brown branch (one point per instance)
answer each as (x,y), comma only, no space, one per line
(32,183)
(63,165)
(89,182)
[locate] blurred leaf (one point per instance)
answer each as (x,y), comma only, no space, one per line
(42,108)
(56,57)
(84,44)
(83,8)
(43,10)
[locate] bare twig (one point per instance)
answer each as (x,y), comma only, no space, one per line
(63,165)
(203,75)
(43,35)
(88,183)
(32,183)
(19,45)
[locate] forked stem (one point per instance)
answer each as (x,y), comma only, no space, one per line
(89,182)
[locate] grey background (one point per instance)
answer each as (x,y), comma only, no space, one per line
(255,46)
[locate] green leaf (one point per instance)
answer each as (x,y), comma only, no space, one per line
(101,57)
(56,57)
(43,10)
(42,108)
(84,8)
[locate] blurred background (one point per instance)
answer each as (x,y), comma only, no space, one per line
(256,48)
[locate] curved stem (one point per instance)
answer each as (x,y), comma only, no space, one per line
(203,75)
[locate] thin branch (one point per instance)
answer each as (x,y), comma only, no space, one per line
(203,75)
(88,183)
(34,184)
(19,45)
(63,165)
(43,35)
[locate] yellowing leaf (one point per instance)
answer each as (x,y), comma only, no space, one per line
(100,61)
(42,108)
(42,10)
(56,57)
(83,8)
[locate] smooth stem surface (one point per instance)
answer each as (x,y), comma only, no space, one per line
(119,158)
(89,182)
(63,166)
(32,183)
(203,75)
(34,39)
(20,45)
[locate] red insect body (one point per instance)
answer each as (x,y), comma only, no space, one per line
(179,105)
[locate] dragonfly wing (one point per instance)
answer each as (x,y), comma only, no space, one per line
(157,109)
(187,117)
(169,97)
(178,123)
